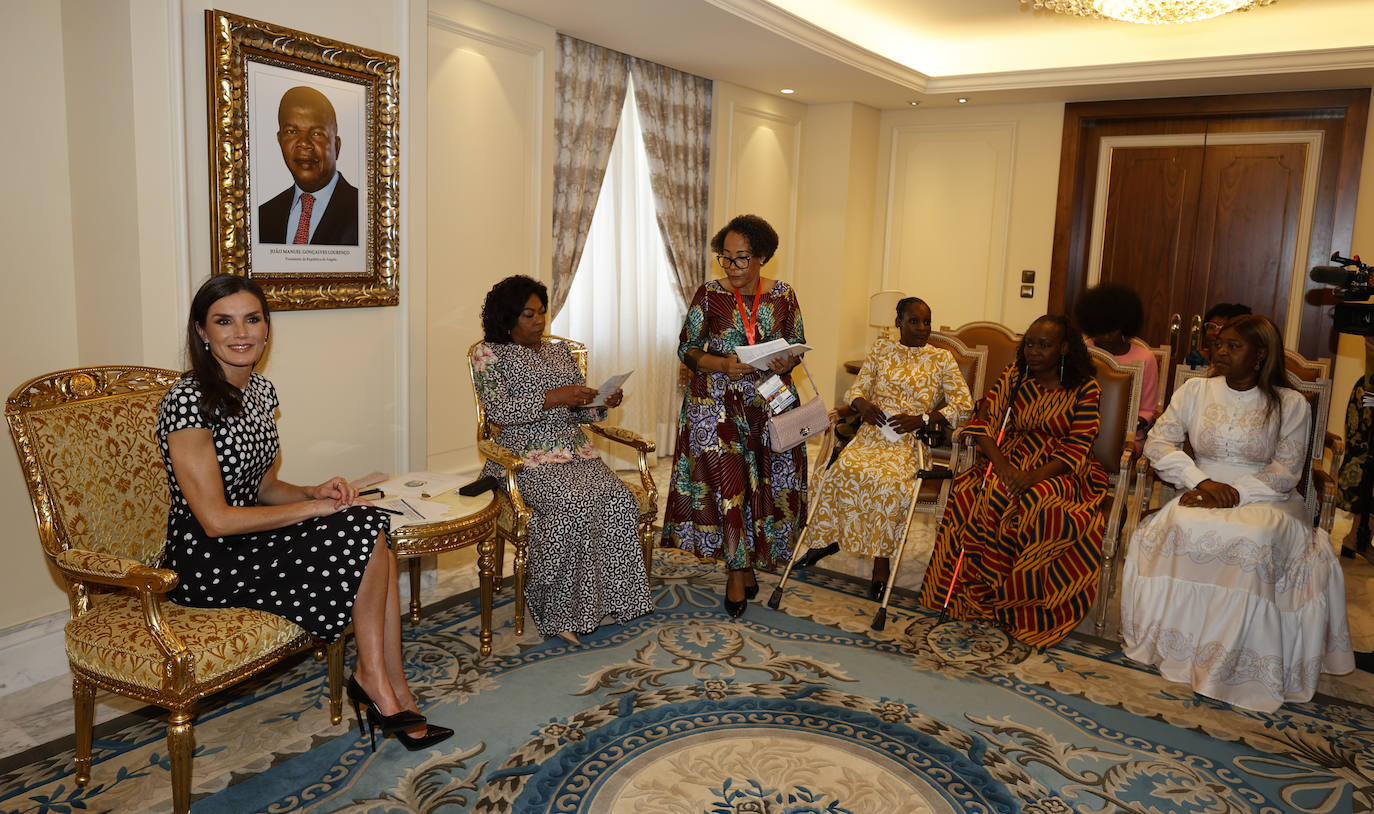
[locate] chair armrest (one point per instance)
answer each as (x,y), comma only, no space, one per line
(503,457)
(506,459)
(120,572)
(623,436)
(642,448)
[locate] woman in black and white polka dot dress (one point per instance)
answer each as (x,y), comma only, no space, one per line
(237,536)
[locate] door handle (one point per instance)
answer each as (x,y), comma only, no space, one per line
(1175,323)
(1195,333)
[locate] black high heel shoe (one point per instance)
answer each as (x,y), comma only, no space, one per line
(876,588)
(815,555)
(405,719)
(735,607)
(433,734)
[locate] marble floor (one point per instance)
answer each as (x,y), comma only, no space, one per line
(43,713)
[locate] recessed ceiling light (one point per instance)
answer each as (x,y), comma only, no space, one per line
(914,102)
(788,91)
(963,100)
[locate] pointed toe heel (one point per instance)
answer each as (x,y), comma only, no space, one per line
(433,734)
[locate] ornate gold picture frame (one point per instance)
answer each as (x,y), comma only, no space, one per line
(292,113)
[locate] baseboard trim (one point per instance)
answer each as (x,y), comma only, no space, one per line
(32,652)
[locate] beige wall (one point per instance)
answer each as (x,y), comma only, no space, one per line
(40,326)
(490,175)
(965,202)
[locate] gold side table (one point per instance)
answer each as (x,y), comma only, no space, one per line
(473,521)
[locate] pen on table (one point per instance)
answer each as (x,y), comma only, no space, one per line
(412,508)
(377,492)
(388,511)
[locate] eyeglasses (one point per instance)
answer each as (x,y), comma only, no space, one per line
(734,262)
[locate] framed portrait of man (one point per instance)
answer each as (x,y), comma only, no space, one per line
(303,146)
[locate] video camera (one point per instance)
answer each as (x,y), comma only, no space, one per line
(1352,280)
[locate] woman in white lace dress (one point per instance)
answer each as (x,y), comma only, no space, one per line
(1229,588)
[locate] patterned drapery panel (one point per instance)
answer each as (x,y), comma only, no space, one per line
(675,113)
(590,85)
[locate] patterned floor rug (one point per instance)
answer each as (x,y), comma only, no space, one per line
(797,711)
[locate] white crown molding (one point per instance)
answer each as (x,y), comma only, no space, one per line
(785,24)
(1336,59)
(441,21)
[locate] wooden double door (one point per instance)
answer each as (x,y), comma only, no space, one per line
(1192,203)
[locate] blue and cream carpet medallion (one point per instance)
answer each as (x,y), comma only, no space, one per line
(804,710)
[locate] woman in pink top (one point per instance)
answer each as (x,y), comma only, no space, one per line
(1110,315)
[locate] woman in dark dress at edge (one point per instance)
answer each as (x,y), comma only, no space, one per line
(240,537)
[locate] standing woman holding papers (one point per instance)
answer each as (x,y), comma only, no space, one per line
(730,496)
(586,567)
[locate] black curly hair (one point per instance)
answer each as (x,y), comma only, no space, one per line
(1078,366)
(763,240)
(504,303)
(1107,307)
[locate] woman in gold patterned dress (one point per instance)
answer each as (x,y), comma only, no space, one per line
(862,506)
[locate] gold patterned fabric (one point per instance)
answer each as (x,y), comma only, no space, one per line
(102,501)
(112,640)
(863,502)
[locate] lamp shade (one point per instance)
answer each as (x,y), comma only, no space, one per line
(882,308)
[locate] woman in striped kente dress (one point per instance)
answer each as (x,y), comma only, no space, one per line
(1028,523)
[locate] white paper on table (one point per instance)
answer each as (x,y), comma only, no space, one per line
(414,510)
(761,354)
(415,484)
(607,388)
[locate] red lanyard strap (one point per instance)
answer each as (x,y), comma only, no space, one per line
(750,323)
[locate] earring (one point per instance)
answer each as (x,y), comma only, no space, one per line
(206,344)
(1061,370)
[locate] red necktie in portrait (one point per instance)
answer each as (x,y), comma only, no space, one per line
(303,227)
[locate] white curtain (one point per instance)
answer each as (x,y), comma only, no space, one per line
(623,301)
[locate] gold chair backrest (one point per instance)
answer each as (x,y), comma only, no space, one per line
(86,440)
(973,362)
(999,340)
(1119,407)
(1318,395)
(486,431)
(1309,370)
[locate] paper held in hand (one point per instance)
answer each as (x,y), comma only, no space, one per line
(607,388)
(761,354)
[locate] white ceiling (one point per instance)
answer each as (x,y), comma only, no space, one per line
(885,53)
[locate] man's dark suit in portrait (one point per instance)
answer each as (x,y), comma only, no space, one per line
(320,208)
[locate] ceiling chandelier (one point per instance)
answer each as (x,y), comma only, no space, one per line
(1150,12)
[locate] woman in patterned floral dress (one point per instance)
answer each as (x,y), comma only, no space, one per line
(1229,588)
(1029,527)
(862,506)
(586,567)
(730,495)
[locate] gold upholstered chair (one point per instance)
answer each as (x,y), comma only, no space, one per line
(512,524)
(1000,341)
(87,446)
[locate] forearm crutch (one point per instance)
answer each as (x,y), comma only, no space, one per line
(817,482)
(923,473)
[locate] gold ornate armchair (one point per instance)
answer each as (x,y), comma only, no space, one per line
(85,440)
(999,340)
(512,524)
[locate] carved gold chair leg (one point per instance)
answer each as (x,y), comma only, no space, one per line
(336,668)
(646,542)
(522,561)
(486,565)
(83,699)
(181,742)
(500,573)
